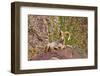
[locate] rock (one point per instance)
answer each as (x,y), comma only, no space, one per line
(67,53)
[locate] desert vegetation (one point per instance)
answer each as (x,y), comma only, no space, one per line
(46,29)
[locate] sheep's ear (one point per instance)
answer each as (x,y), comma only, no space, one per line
(61,32)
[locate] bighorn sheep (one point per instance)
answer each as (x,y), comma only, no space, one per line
(59,44)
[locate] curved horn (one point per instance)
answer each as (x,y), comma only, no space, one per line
(69,35)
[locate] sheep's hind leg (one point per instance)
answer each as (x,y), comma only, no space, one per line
(47,48)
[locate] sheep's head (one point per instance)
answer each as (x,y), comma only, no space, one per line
(63,34)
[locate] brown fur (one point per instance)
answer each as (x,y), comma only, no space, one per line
(60,44)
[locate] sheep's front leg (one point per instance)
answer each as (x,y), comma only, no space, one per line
(62,47)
